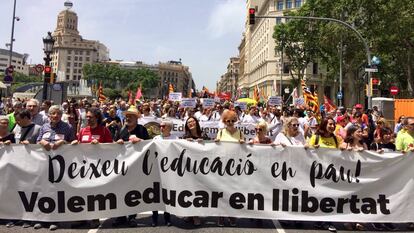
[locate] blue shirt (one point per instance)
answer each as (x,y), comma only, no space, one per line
(62,131)
(120,114)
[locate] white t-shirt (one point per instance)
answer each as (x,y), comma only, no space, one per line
(251,119)
(297,140)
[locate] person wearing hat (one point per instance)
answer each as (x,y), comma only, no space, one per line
(132,131)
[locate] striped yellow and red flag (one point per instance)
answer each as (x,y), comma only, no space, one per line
(171,88)
(101,96)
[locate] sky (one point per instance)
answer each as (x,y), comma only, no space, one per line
(203,33)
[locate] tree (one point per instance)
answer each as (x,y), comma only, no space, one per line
(128,79)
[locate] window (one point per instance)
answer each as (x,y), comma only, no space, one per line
(67,70)
(298,3)
(80,52)
(75,64)
(69,58)
(88,53)
(67,77)
(87,58)
(279,5)
(68,64)
(76,58)
(278,21)
(315,68)
(288,4)
(286,68)
(80,58)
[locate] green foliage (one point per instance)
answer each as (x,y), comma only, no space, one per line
(128,79)
(387,26)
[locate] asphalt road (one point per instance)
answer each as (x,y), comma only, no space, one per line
(209,225)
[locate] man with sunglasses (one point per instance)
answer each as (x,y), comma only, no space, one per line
(405,138)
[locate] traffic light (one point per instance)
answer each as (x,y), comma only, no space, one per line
(252,12)
(48,73)
(52,78)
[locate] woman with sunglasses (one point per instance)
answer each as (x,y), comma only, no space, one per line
(229,133)
(290,135)
(261,131)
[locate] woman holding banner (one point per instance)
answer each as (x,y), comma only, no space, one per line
(290,135)
(192,131)
(261,131)
(229,134)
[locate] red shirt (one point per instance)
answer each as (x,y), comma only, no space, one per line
(101,133)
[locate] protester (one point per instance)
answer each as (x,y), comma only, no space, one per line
(56,132)
(384,142)
(353,139)
(290,134)
(17,106)
(230,133)
(165,128)
(405,138)
(112,121)
(399,124)
(261,132)
(26,132)
(5,136)
(33,106)
(95,132)
(324,136)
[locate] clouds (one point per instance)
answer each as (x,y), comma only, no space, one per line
(226,18)
(204,33)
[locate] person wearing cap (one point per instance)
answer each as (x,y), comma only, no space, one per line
(341,123)
(360,108)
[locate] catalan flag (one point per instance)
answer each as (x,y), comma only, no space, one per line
(311,99)
(101,96)
(171,88)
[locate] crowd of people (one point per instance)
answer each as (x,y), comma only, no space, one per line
(88,121)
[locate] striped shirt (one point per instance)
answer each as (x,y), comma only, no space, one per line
(61,131)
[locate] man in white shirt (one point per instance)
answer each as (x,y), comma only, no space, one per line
(253,116)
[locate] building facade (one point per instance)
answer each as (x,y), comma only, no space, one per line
(71,51)
(19,61)
(262,66)
(171,72)
(229,81)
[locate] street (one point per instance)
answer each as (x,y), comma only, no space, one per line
(209,226)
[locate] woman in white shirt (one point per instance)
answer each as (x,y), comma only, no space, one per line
(290,135)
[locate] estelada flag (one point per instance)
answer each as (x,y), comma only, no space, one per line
(101,96)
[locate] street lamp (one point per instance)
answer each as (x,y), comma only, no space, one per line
(12,33)
(48,43)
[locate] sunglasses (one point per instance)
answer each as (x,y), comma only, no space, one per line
(294,125)
(162,126)
(230,121)
(259,129)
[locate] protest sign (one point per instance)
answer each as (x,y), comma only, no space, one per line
(275,101)
(175,96)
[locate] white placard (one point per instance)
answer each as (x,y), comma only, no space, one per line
(242,105)
(188,102)
(275,101)
(299,101)
(208,103)
(175,96)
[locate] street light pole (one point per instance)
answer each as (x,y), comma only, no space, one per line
(48,43)
(12,34)
(281,68)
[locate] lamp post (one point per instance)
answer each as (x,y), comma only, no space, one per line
(48,43)
(12,33)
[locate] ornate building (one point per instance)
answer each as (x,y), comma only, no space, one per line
(71,51)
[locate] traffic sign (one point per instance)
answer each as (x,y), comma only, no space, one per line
(39,68)
(394,90)
(372,70)
(339,95)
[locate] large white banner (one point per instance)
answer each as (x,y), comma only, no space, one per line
(211,128)
(208,179)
